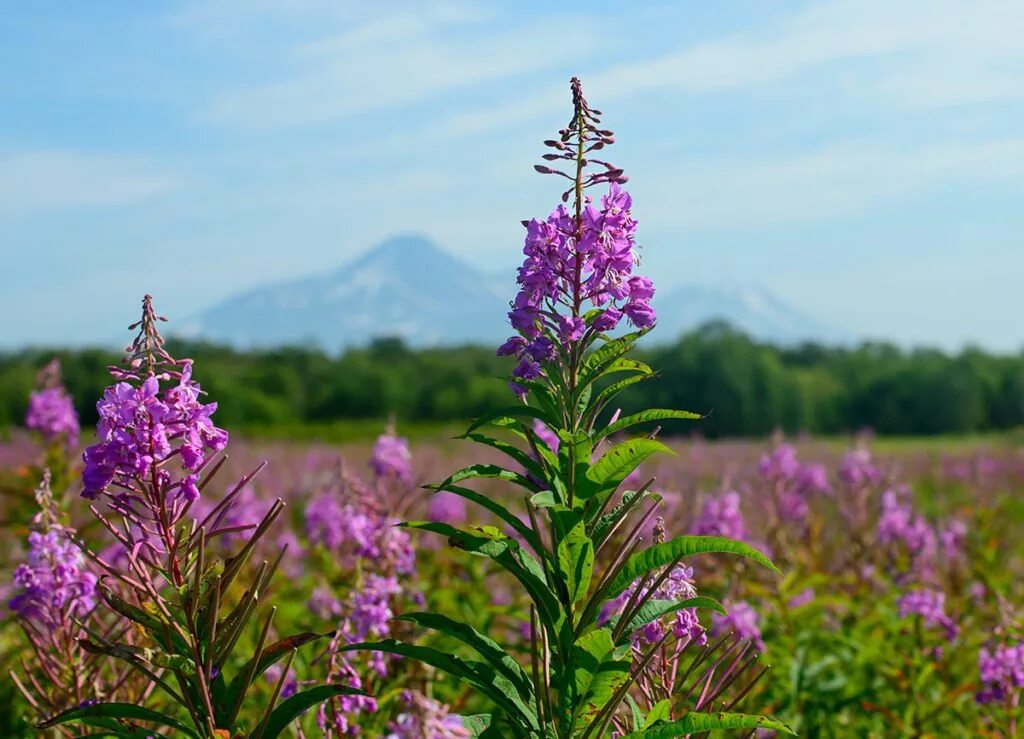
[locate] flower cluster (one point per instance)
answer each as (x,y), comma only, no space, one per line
(50,410)
(858,470)
(570,262)
(391,457)
(142,427)
(793,481)
(1001,671)
(930,604)
(898,524)
(740,619)
(677,585)
(424,718)
(721,516)
(577,258)
(354,532)
(54,583)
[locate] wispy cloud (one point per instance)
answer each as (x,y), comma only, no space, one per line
(829,182)
(51,179)
(918,53)
(389,62)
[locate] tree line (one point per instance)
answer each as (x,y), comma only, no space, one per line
(747,387)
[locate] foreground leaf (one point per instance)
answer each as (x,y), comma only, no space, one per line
(695,722)
(667,552)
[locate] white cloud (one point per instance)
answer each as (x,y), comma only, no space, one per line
(826,183)
(391,61)
(48,179)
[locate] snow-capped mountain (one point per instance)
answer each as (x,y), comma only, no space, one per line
(409,287)
(753,310)
(406,286)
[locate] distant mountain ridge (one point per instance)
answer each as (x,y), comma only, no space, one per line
(409,287)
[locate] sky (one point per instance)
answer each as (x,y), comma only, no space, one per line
(864,160)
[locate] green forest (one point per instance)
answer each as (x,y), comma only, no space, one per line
(746,387)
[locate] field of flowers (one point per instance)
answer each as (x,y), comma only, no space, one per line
(895,615)
(557,572)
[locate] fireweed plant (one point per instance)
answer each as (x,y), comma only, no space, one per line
(183,608)
(578,545)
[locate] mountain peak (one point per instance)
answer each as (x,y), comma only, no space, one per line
(409,287)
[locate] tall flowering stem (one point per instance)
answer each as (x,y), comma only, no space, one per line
(157,453)
(54,602)
(577,549)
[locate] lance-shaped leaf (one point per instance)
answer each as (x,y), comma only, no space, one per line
(599,668)
(490,471)
(487,648)
(657,414)
(487,541)
(602,358)
(606,524)
(267,657)
(652,610)
(289,710)
(100,714)
(695,722)
(615,465)
(480,675)
(528,463)
(607,394)
(576,562)
(667,552)
(513,521)
(517,412)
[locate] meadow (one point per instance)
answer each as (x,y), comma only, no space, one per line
(565,568)
(845,655)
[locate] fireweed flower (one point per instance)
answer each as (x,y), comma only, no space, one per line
(50,410)
(1001,672)
(577,259)
(721,516)
(857,470)
(741,620)
(392,458)
(424,718)
(930,604)
(153,430)
(898,524)
(447,508)
(793,482)
(54,584)
(677,585)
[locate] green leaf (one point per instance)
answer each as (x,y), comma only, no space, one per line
(477,725)
(528,534)
(652,610)
(480,675)
(615,465)
(270,655)
(576,561)
(489,471)
(657,414)
(487,541)
(486,647)
(605,396)
(667,552)
(516,412)
(596,364)
(523,458)
(695,722)
(600,671)
(630,499)
(661,711)
(289,710)
(96,715)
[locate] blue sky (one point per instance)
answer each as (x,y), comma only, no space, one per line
(862,159)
